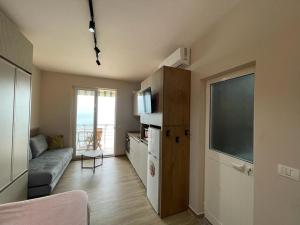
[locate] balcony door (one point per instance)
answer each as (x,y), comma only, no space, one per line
(95,120)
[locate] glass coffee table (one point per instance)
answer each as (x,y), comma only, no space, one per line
(92,154)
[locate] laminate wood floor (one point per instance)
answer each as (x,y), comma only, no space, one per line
(117,196)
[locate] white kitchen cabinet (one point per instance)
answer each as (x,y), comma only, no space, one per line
(14,46)
(128,155)
(134,152)
(138,158)
(143,162)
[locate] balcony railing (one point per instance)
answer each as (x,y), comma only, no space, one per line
(87,139)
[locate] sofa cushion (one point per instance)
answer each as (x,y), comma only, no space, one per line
(63,154)
(38,145)
(45,168)
(38,191)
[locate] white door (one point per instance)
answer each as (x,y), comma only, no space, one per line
(21,123)
(229,149)
(7,76)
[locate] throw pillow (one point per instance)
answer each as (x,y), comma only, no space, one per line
(56,141)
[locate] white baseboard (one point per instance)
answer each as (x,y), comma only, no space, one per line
(212,219)
(198,213)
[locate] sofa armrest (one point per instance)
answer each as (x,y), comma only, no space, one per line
(69,208)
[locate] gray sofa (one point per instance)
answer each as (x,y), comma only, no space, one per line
(45,166)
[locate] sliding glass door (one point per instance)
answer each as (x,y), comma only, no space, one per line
(105,130)
(85,120)
(95,120)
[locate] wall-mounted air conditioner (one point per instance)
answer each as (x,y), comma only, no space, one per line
(180,58)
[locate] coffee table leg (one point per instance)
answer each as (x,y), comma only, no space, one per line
(94,165)
(94,157)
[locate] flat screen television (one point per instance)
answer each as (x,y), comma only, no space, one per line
(145,101)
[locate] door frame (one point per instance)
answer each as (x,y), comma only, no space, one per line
(74,127)
(216,155)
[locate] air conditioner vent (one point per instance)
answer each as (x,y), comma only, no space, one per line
(179,58)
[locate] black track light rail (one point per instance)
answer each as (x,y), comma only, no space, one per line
(91,9)
(92,28)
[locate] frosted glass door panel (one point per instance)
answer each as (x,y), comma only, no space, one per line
(231,117)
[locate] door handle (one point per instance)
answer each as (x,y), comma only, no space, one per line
(249,171)
(177,139)
(239,167)
(168,133)
(187,132)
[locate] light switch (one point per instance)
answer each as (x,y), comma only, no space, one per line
(289,172)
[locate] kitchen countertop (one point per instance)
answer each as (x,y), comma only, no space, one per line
(137,136)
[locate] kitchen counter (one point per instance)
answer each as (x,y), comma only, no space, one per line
(137,137)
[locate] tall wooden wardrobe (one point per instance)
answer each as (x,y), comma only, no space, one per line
(170,89)
(15,94)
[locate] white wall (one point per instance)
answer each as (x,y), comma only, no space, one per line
(197,140)
(35,98)
(265,32)
(57,105)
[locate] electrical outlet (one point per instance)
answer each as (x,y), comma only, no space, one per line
(289,172)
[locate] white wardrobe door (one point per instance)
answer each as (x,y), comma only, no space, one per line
(7,73)
(21,123)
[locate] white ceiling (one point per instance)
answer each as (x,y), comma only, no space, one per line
(134,35)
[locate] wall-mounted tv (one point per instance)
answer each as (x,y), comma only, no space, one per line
(145,102)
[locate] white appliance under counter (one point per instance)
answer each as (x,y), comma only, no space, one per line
(153,174)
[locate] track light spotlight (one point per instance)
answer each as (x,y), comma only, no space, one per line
(98,62)
(97,50)
(92,26)
(92,29)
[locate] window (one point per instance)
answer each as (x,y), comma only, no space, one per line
(231,117)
